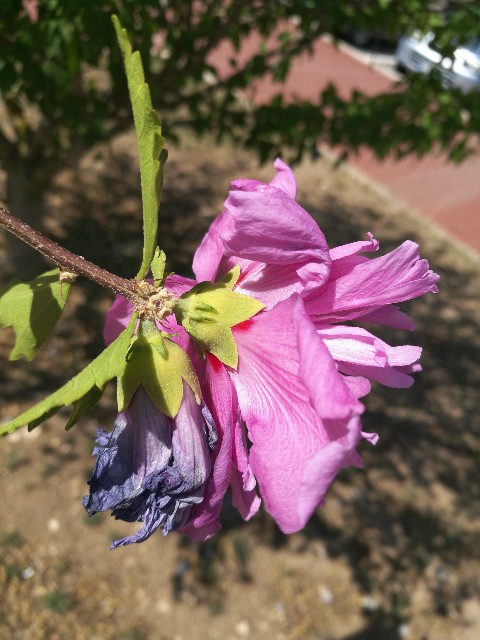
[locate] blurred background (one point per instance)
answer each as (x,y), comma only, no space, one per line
(394,552)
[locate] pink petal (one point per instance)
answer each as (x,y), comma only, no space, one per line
(117,318)
(329,393)
(268,283)
(321,468)
(353,248)
(220,398)
(210,252)
(389,316)
(268,226)
(360,353)
(246,502)
(370,437)
(285,179)
(243,482)
(359,387)
(285,429)
(179,284)
(241,461)
(263,224)
(397,276)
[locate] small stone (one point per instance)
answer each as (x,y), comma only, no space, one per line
(441,572)
(403,630)
(53,525)
(27,573)
(325,594)
(164,606)
(242,628)
(369,604)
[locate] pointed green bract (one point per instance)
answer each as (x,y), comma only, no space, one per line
(160,366)
(32,309)
(151,151)
(209,311)
(83,391)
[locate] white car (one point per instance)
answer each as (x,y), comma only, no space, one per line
(416,53)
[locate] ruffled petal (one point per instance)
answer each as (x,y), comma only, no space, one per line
(359,285)
(277,404)
(359,387)
(268,226)
(354,248)
(261,223)
(243,483)
(285,179)
(358,352)
(389,316)
(328,391)
(268,283)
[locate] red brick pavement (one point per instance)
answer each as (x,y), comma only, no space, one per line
(445,193)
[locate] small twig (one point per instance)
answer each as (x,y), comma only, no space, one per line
(67,261)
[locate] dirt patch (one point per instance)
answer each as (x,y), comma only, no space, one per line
(394,554)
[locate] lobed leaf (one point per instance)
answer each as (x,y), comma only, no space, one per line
(151,151)
(33,309)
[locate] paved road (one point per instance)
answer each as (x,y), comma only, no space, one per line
(443,192)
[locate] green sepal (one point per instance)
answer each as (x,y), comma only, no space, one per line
(158,267)
(209,311)
(33,309)
(151,152)
(83,391)
(160,366)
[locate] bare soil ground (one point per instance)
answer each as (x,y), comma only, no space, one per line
(393,554)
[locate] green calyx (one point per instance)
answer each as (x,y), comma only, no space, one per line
(209,311)
(160,366)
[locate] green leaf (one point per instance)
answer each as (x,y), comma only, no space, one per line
(83,391)
(160,366)
(33,309)
(209,311)
(151,151)
(84,406)
(158,267)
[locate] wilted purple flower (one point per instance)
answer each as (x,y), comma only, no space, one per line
(152,468)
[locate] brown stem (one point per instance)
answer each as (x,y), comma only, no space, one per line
(67,261)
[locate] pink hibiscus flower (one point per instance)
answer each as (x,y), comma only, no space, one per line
(288,416)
